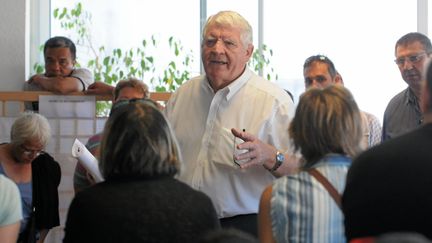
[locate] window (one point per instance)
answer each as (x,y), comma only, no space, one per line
(358,36)
(127,23)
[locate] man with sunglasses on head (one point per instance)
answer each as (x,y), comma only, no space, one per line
(320,72)
(61,76)
(403,114)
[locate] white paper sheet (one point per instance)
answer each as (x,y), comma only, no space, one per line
(89,162)
(67,106)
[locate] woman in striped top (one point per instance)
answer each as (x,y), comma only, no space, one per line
(327,130)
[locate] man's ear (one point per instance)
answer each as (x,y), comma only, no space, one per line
(338,79)
(249,51)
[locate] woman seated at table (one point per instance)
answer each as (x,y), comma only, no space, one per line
(140,200)
(36,174)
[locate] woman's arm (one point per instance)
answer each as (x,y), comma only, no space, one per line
(9,233)
(264,219)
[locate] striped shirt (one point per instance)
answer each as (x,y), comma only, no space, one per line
(373,129)
(301,208)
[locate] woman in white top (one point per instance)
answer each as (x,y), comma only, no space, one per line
(10,210)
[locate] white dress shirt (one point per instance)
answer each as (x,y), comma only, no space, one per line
(202,121)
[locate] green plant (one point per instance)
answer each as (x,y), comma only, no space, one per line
(174,75)
(117,64)
(260,62)
(138,62)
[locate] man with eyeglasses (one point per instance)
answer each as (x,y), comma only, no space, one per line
(61,76)
(403,112)
(388,187)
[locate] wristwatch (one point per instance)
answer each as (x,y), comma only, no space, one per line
(279,160)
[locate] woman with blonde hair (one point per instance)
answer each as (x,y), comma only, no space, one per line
(305,206)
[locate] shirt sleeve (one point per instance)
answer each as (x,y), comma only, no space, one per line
(10,202)
(375,130)
(84,76)
(277,126)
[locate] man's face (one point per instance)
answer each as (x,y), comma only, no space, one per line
(223,54)
(411,61)
(58,62)
(128,93)
(317,76)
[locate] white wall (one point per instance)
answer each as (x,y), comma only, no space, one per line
(12,44)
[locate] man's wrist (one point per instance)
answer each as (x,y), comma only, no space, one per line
(279,159)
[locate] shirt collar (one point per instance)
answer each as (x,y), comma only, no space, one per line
(410,97)
(233,87)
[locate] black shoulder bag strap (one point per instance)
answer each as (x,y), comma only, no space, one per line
(327,185)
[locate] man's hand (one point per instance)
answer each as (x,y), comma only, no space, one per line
(259,153)
(100,88)
(35,79)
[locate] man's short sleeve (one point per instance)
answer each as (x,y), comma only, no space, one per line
(84,75)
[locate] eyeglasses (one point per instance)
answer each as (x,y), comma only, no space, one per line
(29,152)
(412,59)
(121,103)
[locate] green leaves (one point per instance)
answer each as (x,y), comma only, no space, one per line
(38,68)
(143,61)
(260,62)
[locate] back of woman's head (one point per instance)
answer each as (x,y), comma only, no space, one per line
(138,142)
(326,121)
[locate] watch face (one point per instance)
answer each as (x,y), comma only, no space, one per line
(280,157)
